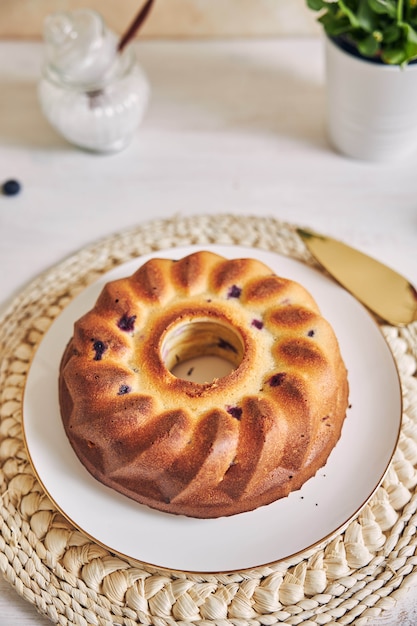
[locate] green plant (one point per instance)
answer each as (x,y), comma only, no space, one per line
(384,29)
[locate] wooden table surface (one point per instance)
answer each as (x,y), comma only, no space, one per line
(232,127)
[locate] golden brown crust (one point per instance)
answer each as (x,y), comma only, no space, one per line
(203,449)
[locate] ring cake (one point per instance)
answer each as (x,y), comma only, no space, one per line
(208,449)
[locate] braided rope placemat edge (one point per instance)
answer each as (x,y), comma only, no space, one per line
(352,577)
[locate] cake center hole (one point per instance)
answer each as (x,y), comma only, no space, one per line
(202,350)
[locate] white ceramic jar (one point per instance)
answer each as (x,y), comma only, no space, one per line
(92,95)
(371,107)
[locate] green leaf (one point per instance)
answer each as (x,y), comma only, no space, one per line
(366,17)
(410,53)
(369,46)
(411,43)
(344,9)
(333,26)
(391,34)
(410,33)
(388,7)
(393,56)
(316,5)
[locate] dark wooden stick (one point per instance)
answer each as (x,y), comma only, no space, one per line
(135,25)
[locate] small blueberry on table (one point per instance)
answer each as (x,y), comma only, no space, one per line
(11,187)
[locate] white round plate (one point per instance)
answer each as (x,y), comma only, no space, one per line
(324,505)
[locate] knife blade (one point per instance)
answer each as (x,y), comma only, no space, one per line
(381,289)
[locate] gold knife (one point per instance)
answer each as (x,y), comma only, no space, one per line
(382,290)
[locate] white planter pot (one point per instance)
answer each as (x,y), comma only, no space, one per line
(371,107)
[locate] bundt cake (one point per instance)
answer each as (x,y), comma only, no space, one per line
(208,449)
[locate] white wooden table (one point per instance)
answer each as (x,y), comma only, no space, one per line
(234,127)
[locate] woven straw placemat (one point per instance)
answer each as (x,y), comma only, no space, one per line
(72,580)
